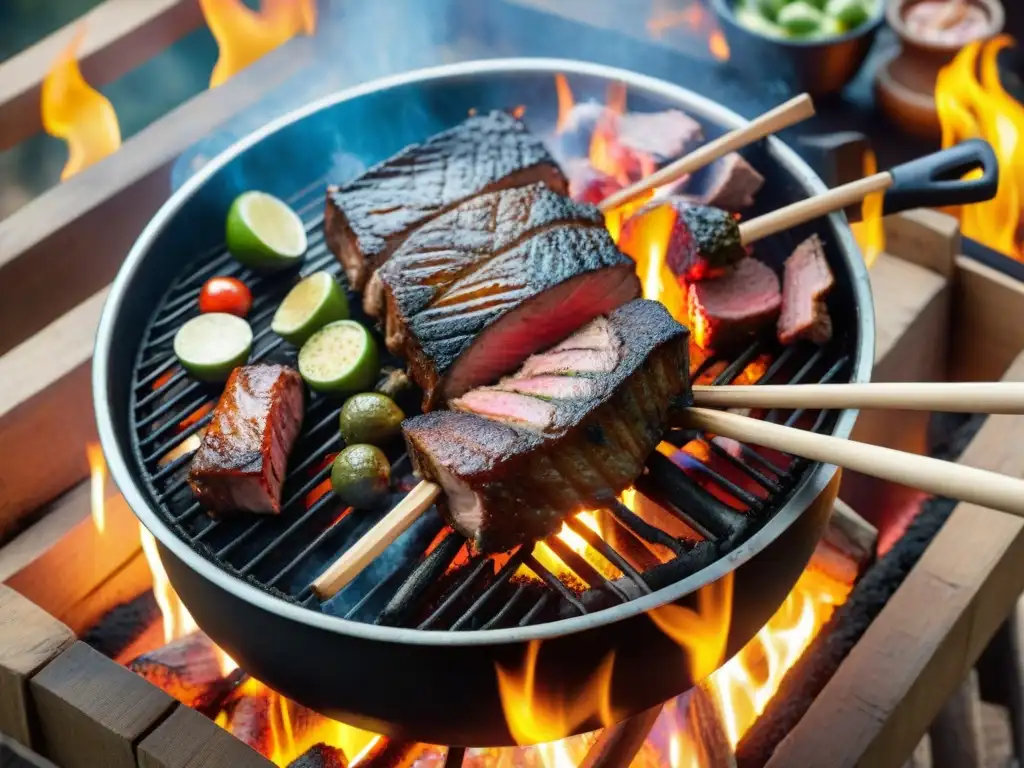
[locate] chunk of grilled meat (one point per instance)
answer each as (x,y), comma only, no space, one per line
(476,292)
(241,462)
(731,309)
(368,218)
(806,281)
(569,431)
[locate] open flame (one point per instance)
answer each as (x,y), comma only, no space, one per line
(971,103)
(694,18)
(647,245)
(869,232)
(97,485)
(76,112)
(244,35)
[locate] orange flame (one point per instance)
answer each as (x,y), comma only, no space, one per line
(870,230)
(76,112)
(97,485)
(701,633)
(177,620)
(646,242)
(243,35)
(535,716)
(717,45)
(696,19)
(565,102)
(973,105)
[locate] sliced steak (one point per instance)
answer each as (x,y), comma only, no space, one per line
(731,183)
(661,136)
(514,466)
(731,309)
(703,242)
(368,218)
(241,462)
(806,281)
(464,317)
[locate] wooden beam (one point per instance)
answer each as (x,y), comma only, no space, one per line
(92,711)
(186,739)
(119,35)
(919,649)
(29,639)
(46,414)
(924,237)
(68,243)
(985,337)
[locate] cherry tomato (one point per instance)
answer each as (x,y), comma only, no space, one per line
(225,294)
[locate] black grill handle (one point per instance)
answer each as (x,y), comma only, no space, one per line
(936,180)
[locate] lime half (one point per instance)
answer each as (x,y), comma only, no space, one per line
(264,233)
(340,357)
(308,307)
(212,345)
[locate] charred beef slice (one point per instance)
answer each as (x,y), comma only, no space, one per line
(241,462)
(480,289)
(731,183)
(368,218)
(732,308)
(570,430)
(806,281)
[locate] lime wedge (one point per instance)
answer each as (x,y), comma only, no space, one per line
(309,306)
(210,346)
(264,233)
(340,357)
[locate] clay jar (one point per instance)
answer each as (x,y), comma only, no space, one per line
(905,85)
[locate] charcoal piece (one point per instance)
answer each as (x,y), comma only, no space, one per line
(576,130)
(250,718)
(122,625)
(736,307)
(806,282)
(514,465)
(660,136)
(425,576)
(731,183)
(367,219)
(320,756)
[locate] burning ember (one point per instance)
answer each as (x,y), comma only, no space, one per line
(243,35)
(971,103)
(76,112)
(694,18)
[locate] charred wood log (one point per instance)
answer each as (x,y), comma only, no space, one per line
(320,756)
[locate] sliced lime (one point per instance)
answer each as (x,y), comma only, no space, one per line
(340,357)
(210,346)
(264,233)
(308,307)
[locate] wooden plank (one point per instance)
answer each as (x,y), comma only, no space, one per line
(92,711)
(986,334)
(929,635)
(14,755)
(926,238)
(46,415)
(124,584)
(119,35)
(105,207)
(29,639)
(186,739)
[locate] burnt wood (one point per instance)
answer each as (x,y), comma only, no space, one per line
(186,739)
(29,639)
(92,711)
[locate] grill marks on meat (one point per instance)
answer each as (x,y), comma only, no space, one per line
(731,309)
(513,465)
(806,281)
(480,289)
(241,462)
(368,218)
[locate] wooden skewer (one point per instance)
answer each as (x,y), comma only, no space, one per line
(783,116)
(959,397)
(942,478)
(813,207)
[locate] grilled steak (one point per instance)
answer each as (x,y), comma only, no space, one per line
(732,183)
(241,462)
(660,136)
(732,308)
(569,431)
(806,280)
(479,290)
(368,218)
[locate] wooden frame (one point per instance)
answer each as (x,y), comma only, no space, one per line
(119,35)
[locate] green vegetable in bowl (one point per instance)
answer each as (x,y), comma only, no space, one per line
(850,13)
(769,8)
(800,19)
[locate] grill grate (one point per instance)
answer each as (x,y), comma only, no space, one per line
(709,498)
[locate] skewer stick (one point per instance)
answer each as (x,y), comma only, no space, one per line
(961,397)
(942,478)
(783,116)
(813,207)
(376,540)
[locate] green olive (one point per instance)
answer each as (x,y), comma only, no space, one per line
(361,475)
(800,19)
(851,13)
(770,8)
(370,417)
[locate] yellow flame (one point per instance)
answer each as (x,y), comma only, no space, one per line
(177,620)
(702,633)
(243,35)
(97,485)
(870,230)
(971,103)
(717,45)
(565,102)
(74,111)
(535,717)
(646,239)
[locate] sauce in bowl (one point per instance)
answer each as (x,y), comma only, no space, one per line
(951,22)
